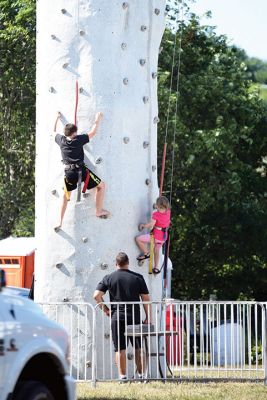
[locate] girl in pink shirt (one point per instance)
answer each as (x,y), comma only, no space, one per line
(159,224)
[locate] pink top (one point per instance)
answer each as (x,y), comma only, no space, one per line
(163,221)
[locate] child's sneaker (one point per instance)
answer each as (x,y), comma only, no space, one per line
(141,378)
(123,379)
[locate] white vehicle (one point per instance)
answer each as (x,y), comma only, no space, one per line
(34,352)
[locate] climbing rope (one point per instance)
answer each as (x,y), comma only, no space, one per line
(168,109)
(76,102)
(176,112)
(169,103)
(167,243)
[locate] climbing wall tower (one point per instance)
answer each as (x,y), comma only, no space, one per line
(109,50)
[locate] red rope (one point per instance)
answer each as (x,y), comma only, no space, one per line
(163,169)
(76,103)
(86,182)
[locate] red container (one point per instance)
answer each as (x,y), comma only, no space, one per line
(17,259)
(173,337)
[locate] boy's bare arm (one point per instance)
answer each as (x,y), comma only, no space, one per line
(93,130)
(56,121)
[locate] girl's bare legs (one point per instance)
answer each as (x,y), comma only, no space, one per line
(142,246)
(156,256)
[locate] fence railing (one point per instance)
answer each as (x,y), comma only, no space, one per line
(184,341)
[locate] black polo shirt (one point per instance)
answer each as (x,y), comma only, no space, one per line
(72,149)
(124,285)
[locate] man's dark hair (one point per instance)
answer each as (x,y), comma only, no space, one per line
(70,129)
(122,259)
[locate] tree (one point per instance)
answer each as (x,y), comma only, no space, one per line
(17,119)
(219,197)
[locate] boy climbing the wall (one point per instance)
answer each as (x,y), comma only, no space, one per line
(71,146)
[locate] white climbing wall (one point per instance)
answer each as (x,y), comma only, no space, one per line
(111,49)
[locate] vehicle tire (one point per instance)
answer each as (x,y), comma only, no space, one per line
(32,390)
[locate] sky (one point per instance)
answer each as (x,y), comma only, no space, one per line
(243,21)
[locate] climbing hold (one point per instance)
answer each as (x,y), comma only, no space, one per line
(123,46)
(126,139)
(125,81)
(145,99)
(81,90)
(156,120)
(140,227)
(154,75)
(53,37)
(167,8)
(160,49)
(148,181)
(82,33)
(66,300)
(157,11)
(103,266)
(64,11)
(154,168)
(140,263)
(99,160)
(65,65)
(124,5)
(88,364)
(85,239)
(86,194)
(145,145)
(143,28)
(106,335)
(59,265)
(51,89)
(142,62)
(130,356)
(53,191)
(154,206)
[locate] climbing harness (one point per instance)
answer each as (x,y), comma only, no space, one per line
(78,169)
(165,230)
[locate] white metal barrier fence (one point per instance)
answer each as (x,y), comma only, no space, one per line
(79,321)
(185,340)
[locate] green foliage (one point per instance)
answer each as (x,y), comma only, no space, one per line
(219,197)
(17,118)
(257,70)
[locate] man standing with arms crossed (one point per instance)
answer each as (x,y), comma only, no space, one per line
(124,285)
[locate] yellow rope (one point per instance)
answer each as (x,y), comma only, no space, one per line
(152,244)
(67,193)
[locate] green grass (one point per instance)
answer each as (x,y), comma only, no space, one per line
(173,391)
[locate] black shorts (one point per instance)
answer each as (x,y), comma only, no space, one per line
(119,341)
(71,179)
